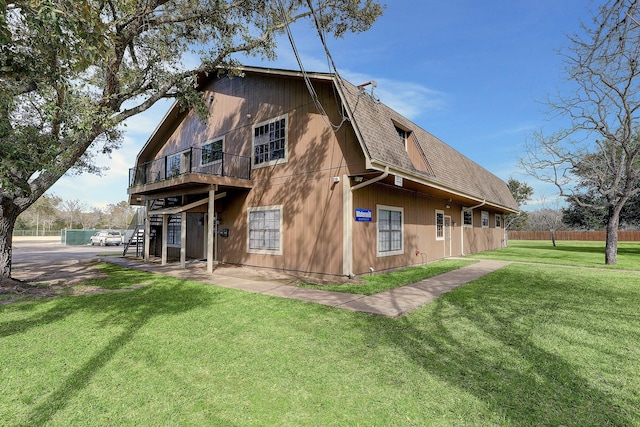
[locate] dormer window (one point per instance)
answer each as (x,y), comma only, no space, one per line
(404,136)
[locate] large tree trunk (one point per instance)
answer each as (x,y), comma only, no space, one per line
(8,216)
(611,248)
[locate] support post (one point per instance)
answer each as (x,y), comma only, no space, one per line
(211,229)
(183,240)
(347,227)
(165,233)
(147,229)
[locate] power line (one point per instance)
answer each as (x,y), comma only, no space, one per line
(305,75)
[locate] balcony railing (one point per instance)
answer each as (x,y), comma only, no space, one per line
(192,160)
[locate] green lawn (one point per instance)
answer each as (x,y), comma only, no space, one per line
(526,345)
(377,283)
(576,253)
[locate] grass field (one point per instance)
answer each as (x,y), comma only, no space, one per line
(575,253)
(526,345)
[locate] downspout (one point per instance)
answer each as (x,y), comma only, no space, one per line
(371,181)
(347,220)
(484,201)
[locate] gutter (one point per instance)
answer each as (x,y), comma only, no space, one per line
(371,181)
(484,201)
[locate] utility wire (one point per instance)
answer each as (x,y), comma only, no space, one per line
(305,75)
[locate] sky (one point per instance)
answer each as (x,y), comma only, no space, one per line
(475,74)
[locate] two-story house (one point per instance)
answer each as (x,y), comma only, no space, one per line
(309,173)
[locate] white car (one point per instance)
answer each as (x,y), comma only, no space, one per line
(105,238)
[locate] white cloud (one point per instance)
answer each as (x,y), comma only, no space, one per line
(410,99)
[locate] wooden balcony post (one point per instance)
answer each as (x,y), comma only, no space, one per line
(147,229)
(165,233)
(211,229)
(183,240)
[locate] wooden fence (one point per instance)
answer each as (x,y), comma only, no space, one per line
(598,236)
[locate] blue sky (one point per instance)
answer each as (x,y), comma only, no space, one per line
(474,74)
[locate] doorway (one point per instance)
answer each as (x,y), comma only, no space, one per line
(447,236)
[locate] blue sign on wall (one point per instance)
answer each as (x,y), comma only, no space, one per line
(364,215)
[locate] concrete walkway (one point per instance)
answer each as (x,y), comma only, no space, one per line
(393,303)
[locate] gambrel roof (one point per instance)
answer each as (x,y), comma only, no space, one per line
(446,168)
(376,126)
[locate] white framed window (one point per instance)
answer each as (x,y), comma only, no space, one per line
(439,225)
(390,227)
(264,230)
(498,221)
(212,151)
(484,219)
(467,218)
(270,142)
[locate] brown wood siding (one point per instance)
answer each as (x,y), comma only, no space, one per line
(195,235)
(303,185)
(478,239)
(420,244)
(311,225)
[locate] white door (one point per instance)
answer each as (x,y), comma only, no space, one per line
(447,236)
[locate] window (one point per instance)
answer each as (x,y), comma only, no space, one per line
(390,227)
(173,230)
(484,219)
(439,225)
(403,134)
(265,230)
(467,218)
(173,166)
(212,151)
(498,221)
(270,142)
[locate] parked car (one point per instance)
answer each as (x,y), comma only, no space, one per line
(104,238)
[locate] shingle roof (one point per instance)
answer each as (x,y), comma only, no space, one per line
(445,166)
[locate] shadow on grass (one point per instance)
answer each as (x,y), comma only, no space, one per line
(129,310)
(482,342)
(588,247)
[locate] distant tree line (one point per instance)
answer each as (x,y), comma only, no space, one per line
(584,212)
(51,212)
(577,217)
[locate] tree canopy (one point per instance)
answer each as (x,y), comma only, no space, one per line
(599,150)
(72,70)
(522,193)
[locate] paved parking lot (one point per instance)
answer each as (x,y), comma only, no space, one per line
(47,259)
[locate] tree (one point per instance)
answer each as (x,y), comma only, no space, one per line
(43,211)
(599,150)
(91,219)
(590,215)
(521,192)
(546,219)
(119,215)
(71,211)
(71,71)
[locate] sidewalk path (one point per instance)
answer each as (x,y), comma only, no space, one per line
(393,303)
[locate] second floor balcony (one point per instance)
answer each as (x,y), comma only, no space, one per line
(191,161)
